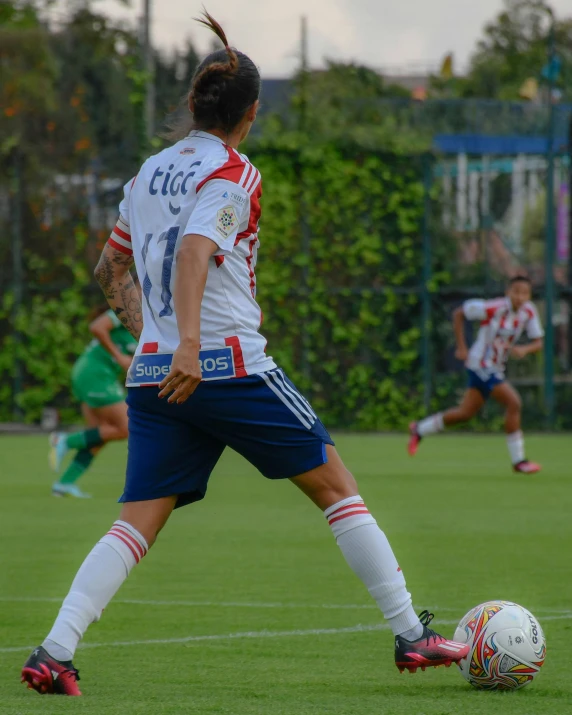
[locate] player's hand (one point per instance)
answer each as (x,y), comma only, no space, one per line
(184,376)
(519,352)
(462,353)
(124,361)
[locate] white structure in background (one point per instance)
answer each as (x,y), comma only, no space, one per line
(468,188)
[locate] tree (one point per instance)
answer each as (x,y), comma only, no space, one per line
(346,103)
(515,48)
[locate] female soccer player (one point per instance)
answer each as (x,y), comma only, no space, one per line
(97,384)
(502,323)
(190,221)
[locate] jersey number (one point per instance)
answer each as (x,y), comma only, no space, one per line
(170,238)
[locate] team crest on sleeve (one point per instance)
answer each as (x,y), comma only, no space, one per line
(226,221)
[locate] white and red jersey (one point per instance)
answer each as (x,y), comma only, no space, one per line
(501,327)
(197,186)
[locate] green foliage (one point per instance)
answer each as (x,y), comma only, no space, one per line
(47,334)
(341,260)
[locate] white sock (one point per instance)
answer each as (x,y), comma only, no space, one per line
(96,582)
(367,551)
(431,425)
(515,444)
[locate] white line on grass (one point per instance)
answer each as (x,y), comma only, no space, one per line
(254,634)
(250,604)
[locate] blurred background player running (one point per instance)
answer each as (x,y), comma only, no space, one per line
(502,322)
(97,383)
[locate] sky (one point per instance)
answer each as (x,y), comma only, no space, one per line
(404,35)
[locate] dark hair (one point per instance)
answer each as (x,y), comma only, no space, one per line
(519,278)
(224,86)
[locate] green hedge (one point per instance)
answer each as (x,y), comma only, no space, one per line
(339,275)
(338,281)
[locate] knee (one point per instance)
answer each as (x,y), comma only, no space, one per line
(118,432)
(515,404)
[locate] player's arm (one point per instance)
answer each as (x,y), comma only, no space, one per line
(192,268)
(535,334)
(101,329)
(112,274)
(461,351)
(521,351)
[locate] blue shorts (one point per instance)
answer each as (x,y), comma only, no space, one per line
(484,384)
(173,449)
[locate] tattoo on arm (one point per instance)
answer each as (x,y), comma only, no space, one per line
(112,274)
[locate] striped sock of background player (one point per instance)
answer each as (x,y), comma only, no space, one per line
(96,582)
(431,425)
(368,553)
(515,444)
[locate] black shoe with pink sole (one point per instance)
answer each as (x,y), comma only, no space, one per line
(49,676)
(431,650)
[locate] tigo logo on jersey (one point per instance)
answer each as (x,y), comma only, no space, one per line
(151,369)
(226,221)
(172,184)
(187,150)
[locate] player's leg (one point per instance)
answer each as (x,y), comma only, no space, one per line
(508,397)
(103,394)
(273,426)
(81,461)
(110,423)
(169,464)
(370,556)
(471,403)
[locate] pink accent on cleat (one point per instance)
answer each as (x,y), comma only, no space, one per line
(49,676)
(414,439)
(526,467)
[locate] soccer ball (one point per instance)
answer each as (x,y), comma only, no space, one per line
(508,646)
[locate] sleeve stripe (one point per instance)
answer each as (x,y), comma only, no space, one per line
(119,247)
(122,234)
(254,183)
(121,241)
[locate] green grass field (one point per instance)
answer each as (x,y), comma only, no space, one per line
(246,606)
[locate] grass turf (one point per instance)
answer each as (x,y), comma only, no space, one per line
(256,556)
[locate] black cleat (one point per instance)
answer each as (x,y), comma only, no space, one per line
(429,650)
(49,676)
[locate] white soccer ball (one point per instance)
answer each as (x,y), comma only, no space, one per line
(508,646)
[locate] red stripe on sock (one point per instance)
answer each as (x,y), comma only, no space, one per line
(346,507)
(345,516)
(134,543)
(142,550)
(118,536)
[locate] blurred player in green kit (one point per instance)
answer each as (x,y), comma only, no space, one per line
(97,382)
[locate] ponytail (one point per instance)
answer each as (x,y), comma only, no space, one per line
(225,85)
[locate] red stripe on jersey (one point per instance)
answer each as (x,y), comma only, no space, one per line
(149,348)
(231,170)
(355,512)
(127,543)
(249,260)
(234,343)
(529,312)
(119,247)
(219,260)
(122,234)
(248,173)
